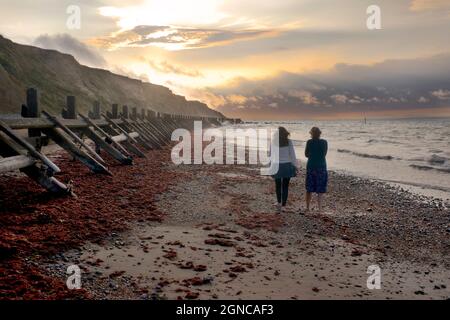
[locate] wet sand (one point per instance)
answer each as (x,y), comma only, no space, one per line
(220,238)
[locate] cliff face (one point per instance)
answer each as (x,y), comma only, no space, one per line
(58,75)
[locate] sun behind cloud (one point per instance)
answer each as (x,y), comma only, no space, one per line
(168,12)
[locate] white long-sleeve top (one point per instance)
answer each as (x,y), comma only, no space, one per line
(284,155)
(287,154)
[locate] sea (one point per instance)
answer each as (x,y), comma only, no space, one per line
(411,153)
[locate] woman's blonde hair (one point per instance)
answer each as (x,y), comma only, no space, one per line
(315,132)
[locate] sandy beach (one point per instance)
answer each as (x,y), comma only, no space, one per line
(212,232)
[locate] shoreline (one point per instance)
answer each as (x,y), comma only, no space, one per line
(226,214)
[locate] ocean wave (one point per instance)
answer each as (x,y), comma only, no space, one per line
(382,141)
(435,159)
(428,168)
(365,155)
(297,142)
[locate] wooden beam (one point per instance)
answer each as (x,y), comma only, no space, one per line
(147,139)
(108,137)
(42,177)
(91,134)
(40,123)
(77,153)
(116,154)
(31,150)
(73,136)
(15,163)
(130,139)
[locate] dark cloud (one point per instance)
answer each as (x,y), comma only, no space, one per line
(68,44)
(389,85)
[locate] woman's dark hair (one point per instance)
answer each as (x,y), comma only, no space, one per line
(315,133)
(284,136)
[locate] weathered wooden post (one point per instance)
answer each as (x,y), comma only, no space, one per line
(71,141)
(95,114)
(41,173)
(149,121)
(125,112)
(96,110)
(32,110)
(114,114)
(134,113)
(70,111)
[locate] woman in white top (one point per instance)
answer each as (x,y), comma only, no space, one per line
(287,166)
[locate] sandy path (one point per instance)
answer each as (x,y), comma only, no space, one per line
(221,239)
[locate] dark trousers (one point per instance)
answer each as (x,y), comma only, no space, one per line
(282,189)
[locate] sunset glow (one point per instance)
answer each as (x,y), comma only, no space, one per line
(215,49)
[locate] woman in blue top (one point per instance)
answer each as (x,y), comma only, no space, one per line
(316,168)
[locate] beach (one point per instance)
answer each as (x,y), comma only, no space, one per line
(160,231)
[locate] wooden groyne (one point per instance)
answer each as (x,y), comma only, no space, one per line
(123,135)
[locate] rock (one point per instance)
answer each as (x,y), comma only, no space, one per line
(192,295)
(238,269)
(356,253)
(419,292)
(187,265)
(200,268)
(220,242)
(171,255)
(197,281)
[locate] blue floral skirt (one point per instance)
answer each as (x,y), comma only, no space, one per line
(285,170)
(316,180)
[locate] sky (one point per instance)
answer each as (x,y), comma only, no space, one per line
(252,59)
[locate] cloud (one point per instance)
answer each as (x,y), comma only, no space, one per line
(441,94)
(424,5)
(237,99)
(304,96)
(177,38)
(166,67)
(423,100)
(339,98)
(401,84)
(67,44)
